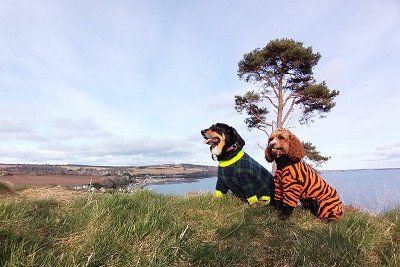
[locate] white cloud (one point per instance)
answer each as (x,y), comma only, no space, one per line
(386,153)
(375,24)
(81,128)
(136,81)
(19,130)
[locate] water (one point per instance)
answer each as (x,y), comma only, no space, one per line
(371,190)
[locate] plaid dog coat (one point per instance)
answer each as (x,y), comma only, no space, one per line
(246,178)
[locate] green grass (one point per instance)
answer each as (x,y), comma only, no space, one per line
(146,229)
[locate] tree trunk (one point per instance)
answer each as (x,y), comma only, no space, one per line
(273,167)
(279,117)
(280,104)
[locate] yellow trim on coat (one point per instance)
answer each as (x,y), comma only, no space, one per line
(252,199)
(226,163)
(218,193)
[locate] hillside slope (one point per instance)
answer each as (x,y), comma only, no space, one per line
(146,229)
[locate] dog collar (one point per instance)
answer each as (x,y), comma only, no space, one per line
(226,163)
(232,147)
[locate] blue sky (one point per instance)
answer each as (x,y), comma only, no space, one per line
(134,82)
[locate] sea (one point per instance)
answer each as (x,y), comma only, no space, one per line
(372,190)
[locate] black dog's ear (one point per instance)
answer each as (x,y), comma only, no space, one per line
(239,142)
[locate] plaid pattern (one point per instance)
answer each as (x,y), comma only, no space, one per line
(245,178)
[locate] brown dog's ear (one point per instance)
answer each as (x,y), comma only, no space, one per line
(296,151)
(268,155)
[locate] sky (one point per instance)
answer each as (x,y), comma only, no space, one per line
(134,82)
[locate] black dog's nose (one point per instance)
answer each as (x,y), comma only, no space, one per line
(203,132)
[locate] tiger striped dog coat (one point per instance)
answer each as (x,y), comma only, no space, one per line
(299,182)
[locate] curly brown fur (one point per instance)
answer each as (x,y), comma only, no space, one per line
(268,156)
(282,142)
(297,182)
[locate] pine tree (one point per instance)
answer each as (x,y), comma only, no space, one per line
(284,71)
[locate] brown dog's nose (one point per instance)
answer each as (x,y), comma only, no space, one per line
(271,145)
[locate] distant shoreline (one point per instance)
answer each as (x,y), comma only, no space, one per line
(365,169)
(164,165)
(102,177)
(115,177)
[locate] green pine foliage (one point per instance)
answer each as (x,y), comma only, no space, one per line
(283,69)
(147,229)
(313,156)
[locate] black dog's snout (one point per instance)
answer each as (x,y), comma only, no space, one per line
(203,132)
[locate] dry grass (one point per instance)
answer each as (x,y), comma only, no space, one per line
(57,193)
(6,189)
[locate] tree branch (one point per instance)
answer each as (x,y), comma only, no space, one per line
(265,93)
(289,111)
(263,130)
(271,84)
(291,96)
(268,79)
(259,118)
(270,100)
(263,148)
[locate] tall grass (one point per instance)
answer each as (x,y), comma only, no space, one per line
(146,229)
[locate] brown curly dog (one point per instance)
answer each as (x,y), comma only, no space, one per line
(296,181)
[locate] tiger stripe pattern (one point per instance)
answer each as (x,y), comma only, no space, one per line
(299,182)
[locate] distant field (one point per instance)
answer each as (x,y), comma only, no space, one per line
(41,180)
(71,175)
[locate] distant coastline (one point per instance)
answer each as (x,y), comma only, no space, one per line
(106,177)
(163,166)
(364,169)
(77,176)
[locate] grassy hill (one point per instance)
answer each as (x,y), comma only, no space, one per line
(146,229)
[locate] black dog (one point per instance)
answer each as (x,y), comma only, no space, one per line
(237,171)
